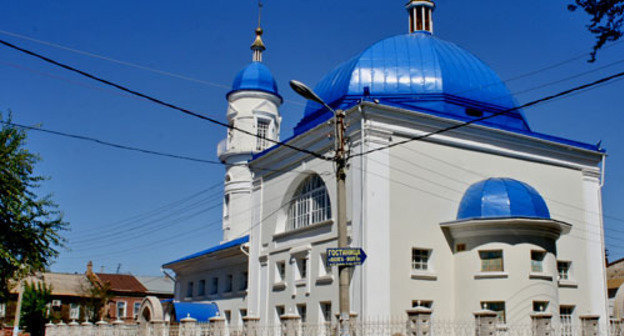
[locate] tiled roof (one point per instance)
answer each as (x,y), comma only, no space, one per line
(63,284)
(122,282)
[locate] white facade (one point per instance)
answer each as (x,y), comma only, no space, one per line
(402,208)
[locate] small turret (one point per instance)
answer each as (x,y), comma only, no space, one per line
(420,15)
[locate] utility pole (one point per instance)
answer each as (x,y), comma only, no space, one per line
(340,159)
(18,309)
(341,193)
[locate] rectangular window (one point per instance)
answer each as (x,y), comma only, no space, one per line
(537,261)
(491,261)
(279,311)
(498,307)
(244,281)
(422,303)
(280,270)
(228,316)
(201,291)
(420,259)
(121,309)
(263,134)
(540,306)
(228,283)
(215,286)
(302,267)
(460,247)
(565,314)
(2,309)
(189,289)
(137,307)
(326,312)
(302,310)
(74,311)
(563,269)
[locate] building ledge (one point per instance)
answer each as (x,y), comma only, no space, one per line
(568,283)
(424,275)
(540,276)
(277,286)
(491,275)
(325,279)
(301,282)
(302,229)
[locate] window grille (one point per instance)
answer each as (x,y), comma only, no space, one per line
(74,311)
(537,261)
(263,133)
(563,268)
(565,315)
(491,261)
(420,259)
(310,204)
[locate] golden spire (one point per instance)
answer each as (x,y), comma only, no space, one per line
(258,46)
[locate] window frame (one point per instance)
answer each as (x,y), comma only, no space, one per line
(74,311)
(567,320)
(310,204)
(538,303)
(302,311)
(125,309)
(567,272)
(422,265)
(229,282)
(190,291)
(201,287)
(537,261)
(326,311)
(280,271)
(487,265)
(214,286)
(136,308)
(2,309)
(501,315)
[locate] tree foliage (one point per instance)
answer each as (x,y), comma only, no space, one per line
(35,307)
(30,226)
(97,296)
(607,17)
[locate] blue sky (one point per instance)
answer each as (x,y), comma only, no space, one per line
(97,187)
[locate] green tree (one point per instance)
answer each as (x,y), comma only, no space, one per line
(606,19)
(35,307)
(30,226)
(96,298)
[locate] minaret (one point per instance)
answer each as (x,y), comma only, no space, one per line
(253,105)
(420,15)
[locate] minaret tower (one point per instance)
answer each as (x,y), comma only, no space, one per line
(253,105)
(420,15)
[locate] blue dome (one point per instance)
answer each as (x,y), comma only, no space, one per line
(257,77)
(417,71)
(502,198)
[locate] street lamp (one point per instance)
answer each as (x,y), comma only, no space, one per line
(340,159)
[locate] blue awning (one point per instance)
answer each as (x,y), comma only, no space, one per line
(226,245)
(202,312)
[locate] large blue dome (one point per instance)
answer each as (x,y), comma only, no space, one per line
(502,198)
(256,77)
(417,71)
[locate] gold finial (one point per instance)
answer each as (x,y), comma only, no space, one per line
(258,46)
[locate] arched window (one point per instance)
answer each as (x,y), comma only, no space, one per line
(310,204)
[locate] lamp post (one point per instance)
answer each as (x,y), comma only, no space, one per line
(340,159)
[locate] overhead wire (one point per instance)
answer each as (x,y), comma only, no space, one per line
(586,86)
(158,101)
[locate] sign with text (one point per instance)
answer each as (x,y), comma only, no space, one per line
(347,256)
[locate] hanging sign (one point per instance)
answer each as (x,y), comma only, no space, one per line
(347,256)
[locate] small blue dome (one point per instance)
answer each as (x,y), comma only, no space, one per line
(417,71)
(502,198)
(257,77)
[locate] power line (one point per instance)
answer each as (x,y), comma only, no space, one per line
(158,101)
(125,63)
(466,123)
(126,147)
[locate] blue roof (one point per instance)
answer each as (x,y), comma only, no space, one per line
(502,198)
(255,77)
(202,312)
(226,245)
(416,71)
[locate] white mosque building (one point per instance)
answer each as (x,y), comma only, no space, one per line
(491,214)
